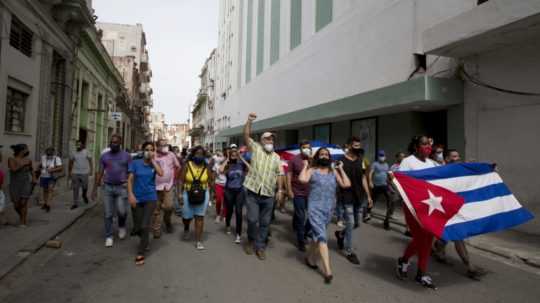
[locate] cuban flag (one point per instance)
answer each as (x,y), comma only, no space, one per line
(289,152)
(457,201)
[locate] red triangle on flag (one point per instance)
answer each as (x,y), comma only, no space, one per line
(430,204)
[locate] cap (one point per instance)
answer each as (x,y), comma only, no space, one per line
(266,135)
(233,146)
(381,153)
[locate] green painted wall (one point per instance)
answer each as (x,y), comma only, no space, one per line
(249,38)
(323,13)
(296,23)
(275,30)
(260,37)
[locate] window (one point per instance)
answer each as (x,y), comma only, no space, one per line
(323,15)
(248,40)
(275,28)
(260,37)
(15,110)
(21,37)
(322,133)
(296,23)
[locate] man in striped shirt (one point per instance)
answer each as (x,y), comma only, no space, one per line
(264,177)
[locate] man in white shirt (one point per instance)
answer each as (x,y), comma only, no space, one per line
(80,169)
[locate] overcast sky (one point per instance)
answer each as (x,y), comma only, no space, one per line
(180,36)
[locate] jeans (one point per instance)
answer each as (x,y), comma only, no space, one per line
(234,200)
(259,214)
(384,191)
(142,218)
(176,203)
(165,203)
(300,221)
(114,199)
(348,216)
(77,182)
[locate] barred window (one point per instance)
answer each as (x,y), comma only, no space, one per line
(21,37)
(15,109)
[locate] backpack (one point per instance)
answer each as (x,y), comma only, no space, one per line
(196,193)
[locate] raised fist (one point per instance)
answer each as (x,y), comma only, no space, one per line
(252,116)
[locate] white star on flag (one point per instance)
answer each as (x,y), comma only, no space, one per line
(434,203)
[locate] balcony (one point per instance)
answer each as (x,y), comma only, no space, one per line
(73,15)
(489,26)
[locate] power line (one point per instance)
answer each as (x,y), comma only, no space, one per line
(499,89)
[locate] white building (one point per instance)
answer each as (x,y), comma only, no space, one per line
(158,126)
(386,70)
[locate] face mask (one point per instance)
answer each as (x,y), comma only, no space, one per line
(324,162)
(269,147)
(198,160)
(357,151)
(147,155)
(115,147)
(50,154)
(382,159)
(26,153)
(164,149)
(306,152)
(439,157)
(425,150)
(234,161)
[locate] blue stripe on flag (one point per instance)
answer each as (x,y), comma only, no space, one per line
(451,171)
(486,193)
(493,223)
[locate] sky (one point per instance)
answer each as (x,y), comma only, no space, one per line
(180,35)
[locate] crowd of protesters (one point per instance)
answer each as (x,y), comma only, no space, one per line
(159,180)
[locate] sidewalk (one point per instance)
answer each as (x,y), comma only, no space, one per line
(19,243)
(510,244)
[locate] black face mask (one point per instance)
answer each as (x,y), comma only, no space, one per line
(115,148)
(234,161)
(323,162)
(357,151)
(26,153)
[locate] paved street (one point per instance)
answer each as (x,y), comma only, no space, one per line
(83,270)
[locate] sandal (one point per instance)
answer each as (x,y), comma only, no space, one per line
(139,260)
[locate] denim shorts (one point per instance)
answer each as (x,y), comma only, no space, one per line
(46,182)
(189,211)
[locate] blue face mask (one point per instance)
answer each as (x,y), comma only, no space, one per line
(198,160)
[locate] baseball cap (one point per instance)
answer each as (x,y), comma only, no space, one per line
(381,153)
(266,135)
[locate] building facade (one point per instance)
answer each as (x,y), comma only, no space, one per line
(37,71)
(126,44)
(380,70)
(177,135)
(158,127)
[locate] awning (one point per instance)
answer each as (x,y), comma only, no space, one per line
(489,26)
(420,94)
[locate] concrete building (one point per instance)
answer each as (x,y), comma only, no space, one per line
(100,101)
(177,135)
(126,44)
(37,54)
(158,127)
(384,70)
(203,131)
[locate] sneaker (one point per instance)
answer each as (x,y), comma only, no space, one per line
(261,255)
(169,228)
(248,248)
(366,218)
(353,258)
(85,199)
(109,242)
(340,224)
(386,225)
(218,219)
(401,269)
(340,240)
(200,246)
(302,247)
(228,230)
(185,236)
(407,233)
(237,240)
(122,233)
(425,281)
(73,207)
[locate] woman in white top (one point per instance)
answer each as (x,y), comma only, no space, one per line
(50,166)
(422,240)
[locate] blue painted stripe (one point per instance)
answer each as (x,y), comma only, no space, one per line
(489,224)
(451,171)
(486,193)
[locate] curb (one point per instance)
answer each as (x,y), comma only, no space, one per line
(501,252)
(25,253)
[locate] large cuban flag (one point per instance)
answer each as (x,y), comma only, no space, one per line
(457,201)
(289,152)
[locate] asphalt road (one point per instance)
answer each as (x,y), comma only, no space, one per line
(83,270)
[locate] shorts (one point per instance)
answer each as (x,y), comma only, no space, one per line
(46,182)
(189,211)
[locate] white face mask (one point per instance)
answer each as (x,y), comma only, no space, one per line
(439,156)
(269,147)
(306,152)
(147,155)
(382,159)
(164,149)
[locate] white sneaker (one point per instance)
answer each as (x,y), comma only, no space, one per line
(200,246)
(122,233)
(340,224)
(218,219)
(109,242)
(238,239)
